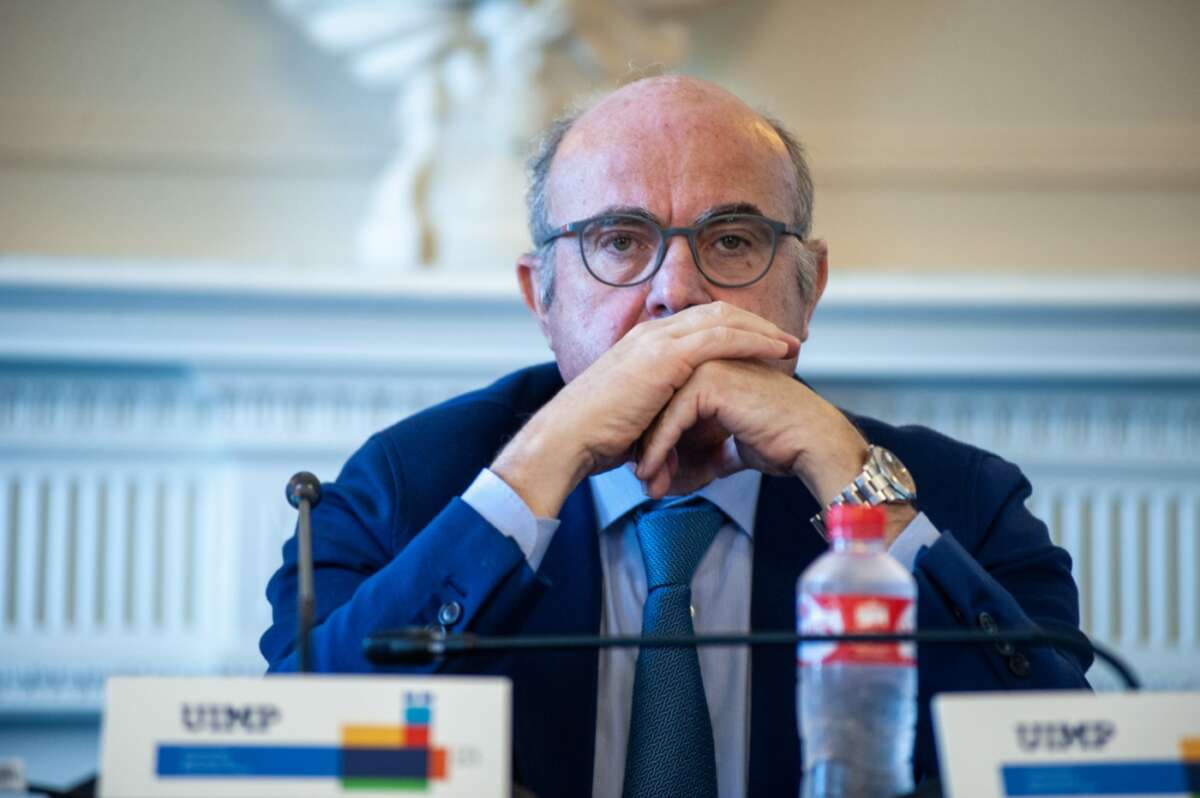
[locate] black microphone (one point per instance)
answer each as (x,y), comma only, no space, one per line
(304,493)
(422,646)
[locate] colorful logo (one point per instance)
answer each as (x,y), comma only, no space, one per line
(393,757)
(1189,754)
(376,757)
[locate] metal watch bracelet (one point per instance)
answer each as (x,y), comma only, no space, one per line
(883,479)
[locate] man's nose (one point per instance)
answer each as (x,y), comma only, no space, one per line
(678,284)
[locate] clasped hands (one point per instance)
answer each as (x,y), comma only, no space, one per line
(688,398)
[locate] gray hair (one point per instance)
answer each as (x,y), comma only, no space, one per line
(539,221)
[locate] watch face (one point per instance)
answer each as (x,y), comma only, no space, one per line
(896,473)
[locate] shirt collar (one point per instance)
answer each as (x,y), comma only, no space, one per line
(619,491)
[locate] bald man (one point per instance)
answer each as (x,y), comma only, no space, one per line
(674,278)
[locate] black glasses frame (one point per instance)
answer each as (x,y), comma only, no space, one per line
(666,233)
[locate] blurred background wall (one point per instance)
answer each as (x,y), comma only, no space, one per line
(1010,191)
(948,137)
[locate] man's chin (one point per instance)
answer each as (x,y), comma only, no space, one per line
(700,441)
(696,453)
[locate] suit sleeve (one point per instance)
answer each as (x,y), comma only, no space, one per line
(1007,576)
(372,574)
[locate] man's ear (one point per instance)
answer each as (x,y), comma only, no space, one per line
(529,278)
(818,251)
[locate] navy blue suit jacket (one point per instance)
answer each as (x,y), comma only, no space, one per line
(393,542)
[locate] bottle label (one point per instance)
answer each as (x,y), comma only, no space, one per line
(851,613)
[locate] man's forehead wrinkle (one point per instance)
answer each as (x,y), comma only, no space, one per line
(602,171)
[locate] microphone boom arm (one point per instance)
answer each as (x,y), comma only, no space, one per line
(421,646)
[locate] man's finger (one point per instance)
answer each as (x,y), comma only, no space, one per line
(730,343)
(658,483)
(717,314)
(680,414)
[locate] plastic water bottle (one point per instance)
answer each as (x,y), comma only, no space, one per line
(856,702)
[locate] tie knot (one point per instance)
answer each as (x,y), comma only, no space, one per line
(674,539)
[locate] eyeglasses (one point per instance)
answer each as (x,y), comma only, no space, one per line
(732,250)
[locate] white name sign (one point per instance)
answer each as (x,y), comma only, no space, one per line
(318,736)
(1055,743)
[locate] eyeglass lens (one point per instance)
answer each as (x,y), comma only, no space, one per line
(623,250)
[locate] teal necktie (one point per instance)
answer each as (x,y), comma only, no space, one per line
(670,749)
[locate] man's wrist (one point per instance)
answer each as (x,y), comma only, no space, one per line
(541,467)
(829,470)
(899,516)
(879,479)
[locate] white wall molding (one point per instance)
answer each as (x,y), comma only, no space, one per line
(890,325)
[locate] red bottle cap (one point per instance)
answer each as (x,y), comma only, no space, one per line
(855,522)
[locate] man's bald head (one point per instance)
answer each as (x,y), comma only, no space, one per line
(670,107)
(664,106)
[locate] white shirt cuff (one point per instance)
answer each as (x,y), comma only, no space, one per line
(919,533)
(500,506)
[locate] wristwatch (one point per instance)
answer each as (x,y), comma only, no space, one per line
(884,480)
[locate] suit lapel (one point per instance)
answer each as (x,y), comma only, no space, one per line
(784,544)
(555,692)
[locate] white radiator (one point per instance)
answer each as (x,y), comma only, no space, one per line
(1135,559)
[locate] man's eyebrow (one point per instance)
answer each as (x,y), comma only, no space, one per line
(725,210)
(628,210)
(711,213)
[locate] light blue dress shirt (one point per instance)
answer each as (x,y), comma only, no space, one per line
(720,603)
